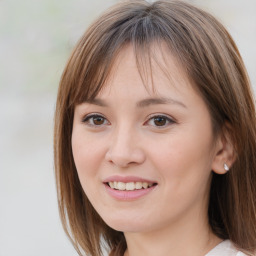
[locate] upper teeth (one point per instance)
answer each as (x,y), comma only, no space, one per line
(129,185)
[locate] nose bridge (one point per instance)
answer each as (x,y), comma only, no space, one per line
(123,136)
(124,148)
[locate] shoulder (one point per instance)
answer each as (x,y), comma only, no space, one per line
(225,248)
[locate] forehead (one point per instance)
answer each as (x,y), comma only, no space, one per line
(154,67)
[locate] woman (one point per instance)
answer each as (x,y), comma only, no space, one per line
(155,136)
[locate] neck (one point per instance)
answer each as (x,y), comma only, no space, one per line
(192,239)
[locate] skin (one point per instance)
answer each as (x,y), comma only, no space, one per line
(179,156)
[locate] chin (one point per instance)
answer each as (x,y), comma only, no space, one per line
(126,227)
(127,224)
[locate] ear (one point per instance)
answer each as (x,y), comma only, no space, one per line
(224,151)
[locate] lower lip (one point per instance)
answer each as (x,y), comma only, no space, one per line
(128,194)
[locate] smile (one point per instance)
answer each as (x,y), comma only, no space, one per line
(129,185)
(128,188)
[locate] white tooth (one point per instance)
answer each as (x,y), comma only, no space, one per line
(150,184)
(120,185)
(111,184)
(138,185)
(115,184)
(130,186)
(144,184)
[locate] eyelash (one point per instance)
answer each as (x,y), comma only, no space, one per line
(87,119)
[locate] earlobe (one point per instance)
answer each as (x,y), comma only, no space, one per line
(226,167)
(224,152)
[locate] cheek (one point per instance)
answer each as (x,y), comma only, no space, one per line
(87,153)
(184,168)
(185,157)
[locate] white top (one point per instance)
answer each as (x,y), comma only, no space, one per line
(225,248)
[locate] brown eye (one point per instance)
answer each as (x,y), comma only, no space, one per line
(98,120)
(160,121)
(94,120)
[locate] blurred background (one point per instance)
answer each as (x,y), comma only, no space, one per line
(36,38)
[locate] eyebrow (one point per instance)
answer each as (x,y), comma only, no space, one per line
(141,104)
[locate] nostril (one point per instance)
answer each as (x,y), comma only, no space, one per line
(126,157)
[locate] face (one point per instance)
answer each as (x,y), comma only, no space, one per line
(144,157)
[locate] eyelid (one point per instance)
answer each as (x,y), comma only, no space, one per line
(87,117)
(167,117)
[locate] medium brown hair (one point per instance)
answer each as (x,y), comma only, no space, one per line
(212,62)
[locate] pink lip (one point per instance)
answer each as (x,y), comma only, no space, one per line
(128,195)
(127,179)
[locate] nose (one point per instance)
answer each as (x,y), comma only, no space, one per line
(124,149)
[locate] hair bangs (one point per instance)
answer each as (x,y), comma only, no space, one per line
(97,55)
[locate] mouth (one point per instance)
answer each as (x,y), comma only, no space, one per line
(129,186)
